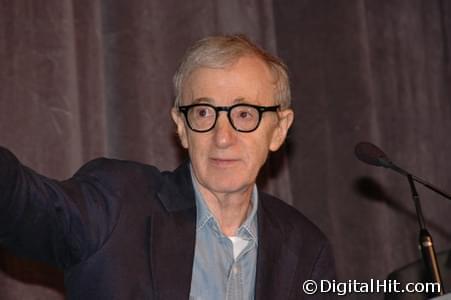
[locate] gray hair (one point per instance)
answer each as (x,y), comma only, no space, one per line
(224,50)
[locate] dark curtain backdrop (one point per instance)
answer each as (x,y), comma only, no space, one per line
(82,79)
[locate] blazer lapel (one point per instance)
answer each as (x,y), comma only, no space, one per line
(276,263)
(172,228)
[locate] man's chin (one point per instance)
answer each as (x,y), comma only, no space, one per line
(219,187)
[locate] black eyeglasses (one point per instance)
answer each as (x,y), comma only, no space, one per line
(202,117)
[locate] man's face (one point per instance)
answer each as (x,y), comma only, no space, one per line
(223,159)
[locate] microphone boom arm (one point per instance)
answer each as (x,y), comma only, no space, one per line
(392,166)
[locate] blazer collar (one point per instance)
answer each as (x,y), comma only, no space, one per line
(176,192)
(172,235)
(276,262)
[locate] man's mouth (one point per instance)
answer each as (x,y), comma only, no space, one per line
(223,162)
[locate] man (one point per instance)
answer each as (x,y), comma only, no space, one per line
(124,230)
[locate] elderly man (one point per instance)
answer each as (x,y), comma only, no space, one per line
(124,230)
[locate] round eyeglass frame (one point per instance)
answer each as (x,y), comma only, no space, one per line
(260,109)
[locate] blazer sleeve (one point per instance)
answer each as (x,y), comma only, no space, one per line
(324,268)
(60,223)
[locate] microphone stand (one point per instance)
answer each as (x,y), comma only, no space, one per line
(425,240)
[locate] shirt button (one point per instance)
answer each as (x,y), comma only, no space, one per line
(236,270)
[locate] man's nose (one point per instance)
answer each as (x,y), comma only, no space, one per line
(224,134)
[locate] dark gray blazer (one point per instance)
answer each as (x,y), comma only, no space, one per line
(124,230)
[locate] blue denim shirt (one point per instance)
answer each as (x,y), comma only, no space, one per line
(216,274)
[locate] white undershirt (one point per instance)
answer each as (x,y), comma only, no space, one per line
(238,245)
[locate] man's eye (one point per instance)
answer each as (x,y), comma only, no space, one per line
(245,115)
(203,112)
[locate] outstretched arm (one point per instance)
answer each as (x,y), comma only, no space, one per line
(57,222)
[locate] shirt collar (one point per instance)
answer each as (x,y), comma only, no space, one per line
(204,215)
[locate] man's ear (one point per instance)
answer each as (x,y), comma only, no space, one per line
(181,129)
(286,118)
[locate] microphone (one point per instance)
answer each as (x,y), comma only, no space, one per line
(371,154)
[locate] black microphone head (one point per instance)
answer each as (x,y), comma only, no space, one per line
(371,154)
